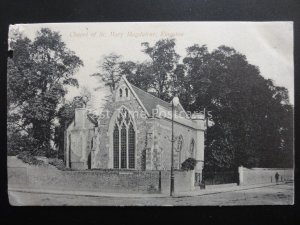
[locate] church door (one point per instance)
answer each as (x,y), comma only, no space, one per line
(90,161)
(69,151)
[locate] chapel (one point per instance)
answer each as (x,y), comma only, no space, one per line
(133,132)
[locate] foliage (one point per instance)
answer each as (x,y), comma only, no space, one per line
(110,71)
(17,143)
(189,164)
(163,63)
(153,75)
(58,163)
(138,74)
(27,157)
(247,109)
(37,76)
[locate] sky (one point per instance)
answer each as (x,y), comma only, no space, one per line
(268,45)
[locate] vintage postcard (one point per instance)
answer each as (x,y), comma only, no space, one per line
(150,113)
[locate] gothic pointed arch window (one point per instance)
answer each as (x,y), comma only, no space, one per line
(179,151)
(124,141)
(192,147)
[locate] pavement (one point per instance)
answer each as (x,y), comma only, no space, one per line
(197,192)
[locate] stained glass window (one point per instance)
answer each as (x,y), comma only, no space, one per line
(124,141)
(116,146)
(131,146)
(123,147)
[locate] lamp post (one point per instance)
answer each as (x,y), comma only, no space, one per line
(175,102)
(205,146)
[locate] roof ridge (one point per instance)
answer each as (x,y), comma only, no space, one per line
(149,93)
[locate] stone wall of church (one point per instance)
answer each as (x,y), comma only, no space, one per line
(78,136)
(162,149)
(103,158)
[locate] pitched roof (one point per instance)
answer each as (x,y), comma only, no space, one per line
(150,101)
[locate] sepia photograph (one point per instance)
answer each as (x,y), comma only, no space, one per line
(150,114)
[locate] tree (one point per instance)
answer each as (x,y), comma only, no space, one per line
(163,63)
(154,75)
(37,75)
(110,72)
(181,86)
(64,115)
(246,109)
(138,74)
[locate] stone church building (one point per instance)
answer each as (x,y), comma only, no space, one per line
(133,132)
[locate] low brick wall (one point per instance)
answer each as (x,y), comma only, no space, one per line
(264,175)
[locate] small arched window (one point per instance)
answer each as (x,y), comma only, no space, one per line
(192,147)
(126,91)
(179,150)
(120,93)
(179,145)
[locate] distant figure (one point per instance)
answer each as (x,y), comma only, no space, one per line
(276,177)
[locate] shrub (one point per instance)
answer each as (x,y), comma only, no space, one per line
(189,164)
(17,143)
(50,153)
(58,163)
(28,158)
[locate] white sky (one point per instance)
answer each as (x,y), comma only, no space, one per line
(268,45)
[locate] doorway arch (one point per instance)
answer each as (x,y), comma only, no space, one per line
(89,162)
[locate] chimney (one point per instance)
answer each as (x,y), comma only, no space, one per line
(80,117)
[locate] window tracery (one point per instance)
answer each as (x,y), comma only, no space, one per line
(124,141)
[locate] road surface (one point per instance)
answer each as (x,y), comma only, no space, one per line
(281,194)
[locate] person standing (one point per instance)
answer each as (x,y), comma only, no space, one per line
(276,177)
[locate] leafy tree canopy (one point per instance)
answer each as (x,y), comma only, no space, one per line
(37,76)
